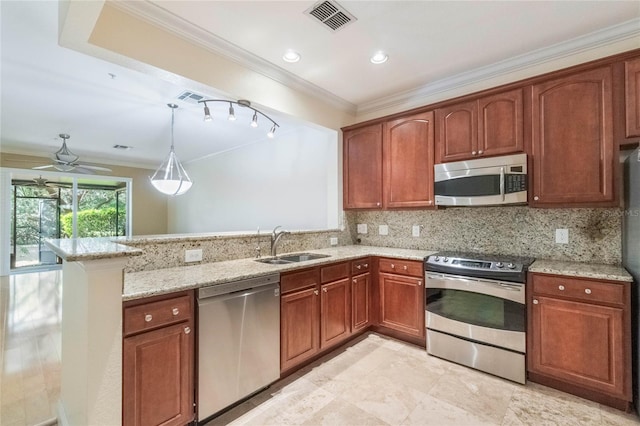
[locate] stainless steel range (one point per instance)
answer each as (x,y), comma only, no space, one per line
(475,311)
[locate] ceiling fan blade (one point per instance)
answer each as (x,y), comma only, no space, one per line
(104,169)
(43,167)
(84,170)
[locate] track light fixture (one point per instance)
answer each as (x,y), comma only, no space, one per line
(232,116)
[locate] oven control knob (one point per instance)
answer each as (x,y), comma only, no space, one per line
(499,265)
(446,259)
(436,258)
(511,266)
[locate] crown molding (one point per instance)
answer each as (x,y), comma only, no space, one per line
(156,15)
(420,96)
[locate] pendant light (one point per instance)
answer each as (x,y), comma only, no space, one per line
(171,178)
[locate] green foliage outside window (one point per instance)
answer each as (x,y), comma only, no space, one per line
(93,223)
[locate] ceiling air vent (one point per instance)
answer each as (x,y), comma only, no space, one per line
(331,15)
(189,97)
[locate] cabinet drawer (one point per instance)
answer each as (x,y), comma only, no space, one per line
(156,314)
(402,267)
(360,266)
(334,272)
(298,280)
(590,291)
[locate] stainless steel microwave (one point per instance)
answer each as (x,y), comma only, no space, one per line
(482,182)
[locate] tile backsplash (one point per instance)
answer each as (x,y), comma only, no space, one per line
(594,234)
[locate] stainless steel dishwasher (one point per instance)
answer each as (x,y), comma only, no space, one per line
(238,341)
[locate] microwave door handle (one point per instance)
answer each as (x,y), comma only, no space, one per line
(502,194)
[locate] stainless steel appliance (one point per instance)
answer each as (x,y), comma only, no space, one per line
(238,341)
(476,311)
(482,182)
(631,254)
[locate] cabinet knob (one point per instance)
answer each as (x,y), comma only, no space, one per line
(393,266)
(355,280)
(378,204)
(473,153)
(187,330)
(480,152)
(404,267)
(175,311)
(324,289)
(561,287)
(587,290)
(536,198)
(315,292)
(419,283)
(535,301)
(359,266)
(148,318)
(366,265)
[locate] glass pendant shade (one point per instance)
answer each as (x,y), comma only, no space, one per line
(170,177)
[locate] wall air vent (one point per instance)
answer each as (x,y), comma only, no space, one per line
(190,97)
(331,15)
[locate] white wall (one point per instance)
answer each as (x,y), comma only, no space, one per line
(291,180)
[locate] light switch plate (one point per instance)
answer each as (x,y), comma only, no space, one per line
(333,241)
(362,228)
(193,255)
(383,230)
(562,236)
(415,230)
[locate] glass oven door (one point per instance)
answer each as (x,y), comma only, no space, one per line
(482,310)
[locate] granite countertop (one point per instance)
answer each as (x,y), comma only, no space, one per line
(581,270)
(161,281)
(82,249)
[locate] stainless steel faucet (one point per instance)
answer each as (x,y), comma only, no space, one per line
(275,238)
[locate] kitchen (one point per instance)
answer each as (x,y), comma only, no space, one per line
(594,233)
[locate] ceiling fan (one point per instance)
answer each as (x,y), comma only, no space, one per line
(42,183)
(65,161)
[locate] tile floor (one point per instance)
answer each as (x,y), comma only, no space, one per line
(381,381)
(372,381)
(29,347)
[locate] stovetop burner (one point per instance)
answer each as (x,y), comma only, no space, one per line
(501,267)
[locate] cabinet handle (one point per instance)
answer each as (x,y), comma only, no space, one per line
(148,318)
(404,267)
(359,266)
(175,311)
(315,292)
(561,287)
(324,289)
(378,204)
(393,266)
(187,330)
(366,265)
(536,198)
(355,280)
(419,283)
(535,301)
(473,153)
(587,290)
(480,152)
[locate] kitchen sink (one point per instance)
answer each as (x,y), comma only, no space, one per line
(292,258)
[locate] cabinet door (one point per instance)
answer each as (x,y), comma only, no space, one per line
(573,149)
(300,324)
(457,132)
(501,124)
(632,97)
(408,161)
(360,301)
(402,304)
(363,168)
(335,313)
(578,343)
(157,377)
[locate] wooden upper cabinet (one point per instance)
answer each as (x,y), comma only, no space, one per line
(492,125)
(363,168)
(458,131)
(572,140)
(632,97)
(408,161)
(501,124)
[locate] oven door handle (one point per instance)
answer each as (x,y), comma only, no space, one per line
(502,193)
(510,291)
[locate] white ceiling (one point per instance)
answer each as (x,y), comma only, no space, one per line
(48,89)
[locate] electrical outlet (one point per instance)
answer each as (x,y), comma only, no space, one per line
(333,241)
(383,230)
(362,228)
(193,255)
(415,230)
(562,236)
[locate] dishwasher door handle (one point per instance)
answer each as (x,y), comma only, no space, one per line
(240,293)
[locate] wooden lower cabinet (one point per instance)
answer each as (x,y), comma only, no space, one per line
(335,313)
(300,325)
(158,366)
(360,301)
(579,334)
(402,303)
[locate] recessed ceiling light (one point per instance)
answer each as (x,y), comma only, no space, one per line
(379,58)
(291,56)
